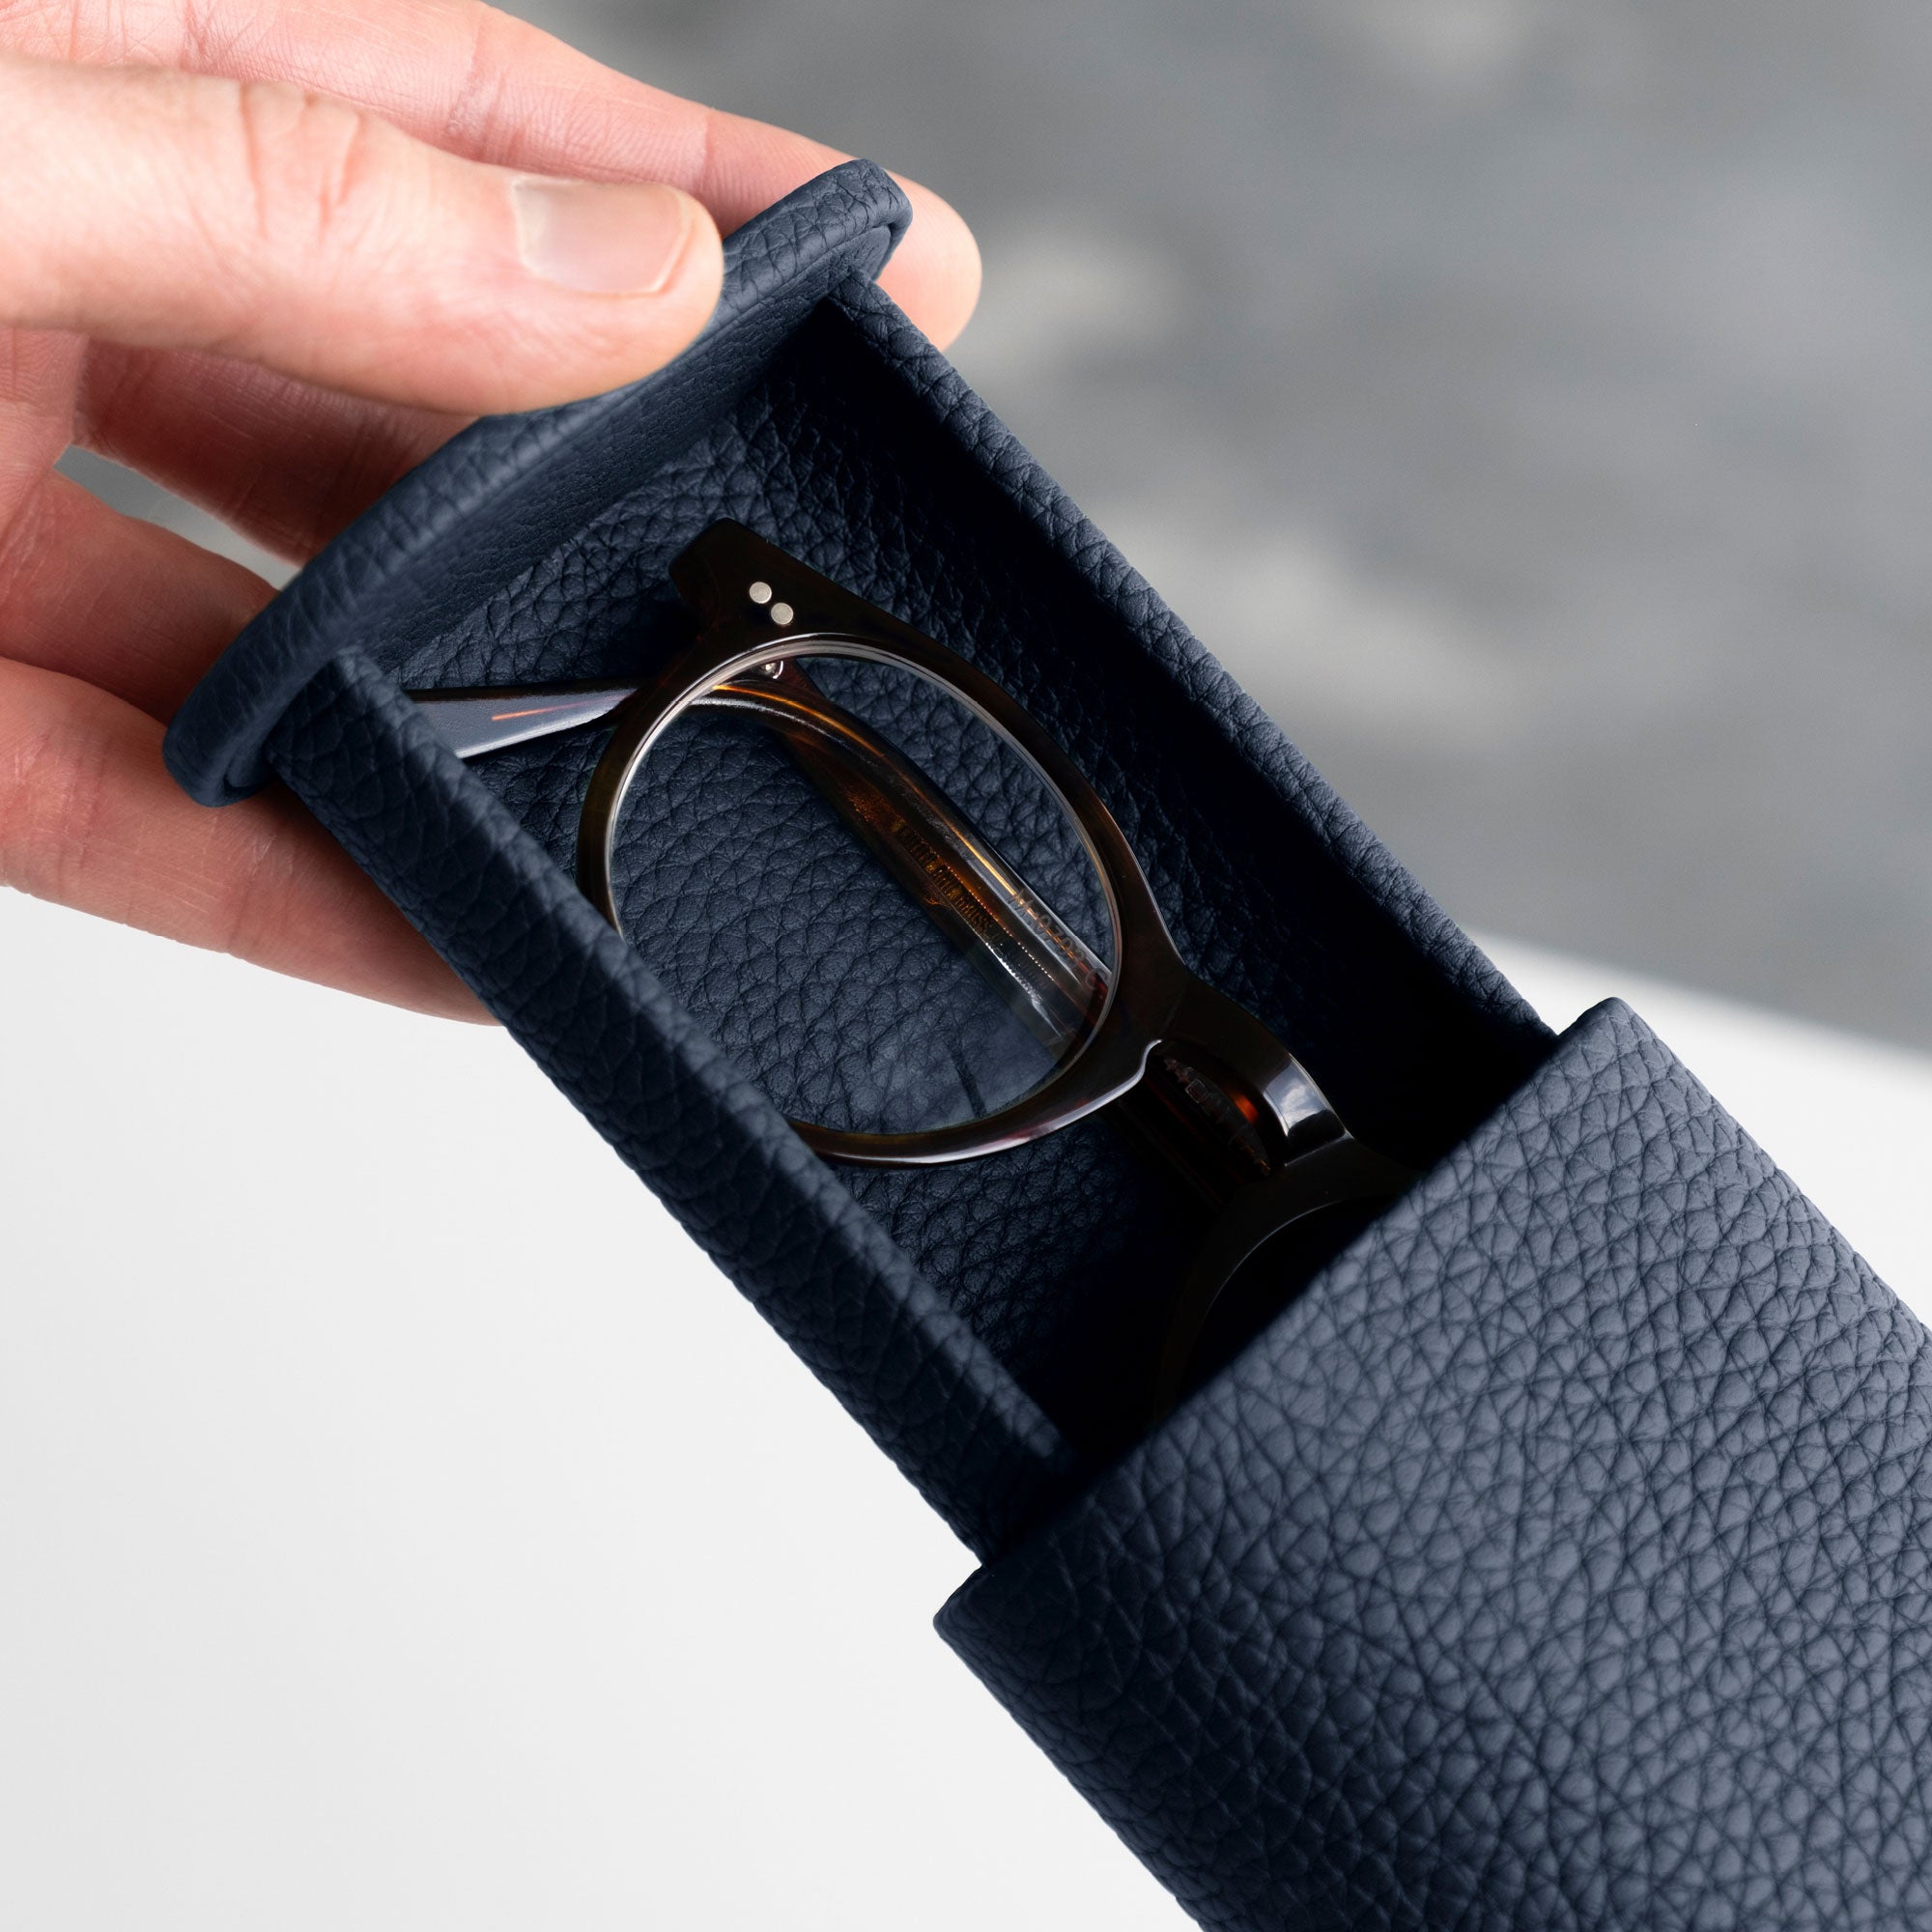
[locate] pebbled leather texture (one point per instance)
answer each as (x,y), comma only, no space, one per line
(1520,1573)
(855,445)
(902,1359)
(1562,1559)
(862,452)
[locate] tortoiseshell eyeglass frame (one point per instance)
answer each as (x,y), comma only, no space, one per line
(1202,1084)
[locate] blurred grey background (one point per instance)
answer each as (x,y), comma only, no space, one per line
(1528,399)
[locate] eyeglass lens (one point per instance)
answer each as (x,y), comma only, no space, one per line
(867,892)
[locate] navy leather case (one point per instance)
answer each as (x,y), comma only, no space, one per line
(1561,1557)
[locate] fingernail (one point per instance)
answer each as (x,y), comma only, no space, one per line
(603,238)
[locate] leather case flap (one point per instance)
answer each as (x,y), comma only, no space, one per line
(1562,1558)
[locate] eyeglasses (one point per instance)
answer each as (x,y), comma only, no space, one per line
(901,906)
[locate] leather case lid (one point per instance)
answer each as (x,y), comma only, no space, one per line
(1563,1558)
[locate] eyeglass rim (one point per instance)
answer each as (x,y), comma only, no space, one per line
(1155,999)
(1151,981)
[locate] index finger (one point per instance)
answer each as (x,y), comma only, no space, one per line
(486,85)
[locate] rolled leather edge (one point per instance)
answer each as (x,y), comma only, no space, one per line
(520,484)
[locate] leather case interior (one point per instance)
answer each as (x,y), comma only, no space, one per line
(1558,1557)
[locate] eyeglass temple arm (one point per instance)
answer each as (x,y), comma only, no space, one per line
(472,721)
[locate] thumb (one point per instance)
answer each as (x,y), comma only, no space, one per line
(292,229)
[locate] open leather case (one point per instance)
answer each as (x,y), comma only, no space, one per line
(1561,1555)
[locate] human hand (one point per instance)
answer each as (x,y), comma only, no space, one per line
(272,265)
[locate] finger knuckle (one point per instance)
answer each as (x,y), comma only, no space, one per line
(209,36)
(24,539)
(53,787)
(312,167)
(475,108)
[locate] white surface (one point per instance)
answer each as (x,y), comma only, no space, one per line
(403,1529)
